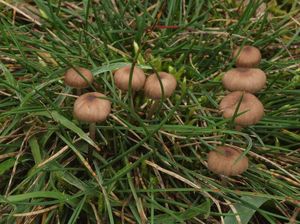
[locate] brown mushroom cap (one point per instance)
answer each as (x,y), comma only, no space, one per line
(76,80)
(247,57)
(250,110)
(153,89)
(227,161)
(122,77)
(91,107)
(244,79)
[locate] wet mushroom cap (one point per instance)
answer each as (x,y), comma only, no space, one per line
(153,88)
(78,80)
(244,79)
(227,161)
(122,77)
(250,109)
(247,56)
(92,107)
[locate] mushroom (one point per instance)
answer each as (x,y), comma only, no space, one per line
(78,78)
(247,56)
(244,79)
(122,78)
(249,112)
(158,86)
(227,161)
(92,107)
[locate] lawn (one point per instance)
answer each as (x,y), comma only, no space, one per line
(146,164)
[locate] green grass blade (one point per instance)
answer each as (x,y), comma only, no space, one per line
(35,149)
(245,213)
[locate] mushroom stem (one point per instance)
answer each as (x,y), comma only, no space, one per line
(92,133)
(224,181)
(78,92)
(153,108)
(132,99)
(133,95)
(92,130)
(238,127)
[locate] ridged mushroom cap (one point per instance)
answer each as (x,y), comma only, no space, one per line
(76,80)
(153,89)
(227,161)
(247,56)
(122,77)
(244,79)
(250,109)
(92,107)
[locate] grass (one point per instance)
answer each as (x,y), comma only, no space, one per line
(148,171)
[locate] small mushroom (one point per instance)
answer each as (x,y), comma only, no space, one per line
(153,88)
(244,79)
(92,107)
(78,78)
(122,78)
(250,109)
(158,86)
(247,56)
(227,161)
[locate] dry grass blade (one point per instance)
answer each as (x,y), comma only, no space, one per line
(31,18)
(37,212)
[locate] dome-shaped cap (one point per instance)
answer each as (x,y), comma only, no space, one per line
(92,107)
(250,110)
(153,89)
(122,77)
(247,56)
(244,79)
(76,80)
(227,161)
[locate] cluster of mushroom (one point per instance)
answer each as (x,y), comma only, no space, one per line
(241,104)
(244,81)
(156,86)
(89,107)
(246,109)
(94,107)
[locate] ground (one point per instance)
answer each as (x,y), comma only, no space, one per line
(145,170)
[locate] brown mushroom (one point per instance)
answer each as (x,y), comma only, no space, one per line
(247,56)
(154,90)
(244,79)
(92,107)
(78,78)
(227,161)
(122,78)
(158,86)
(250,109)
